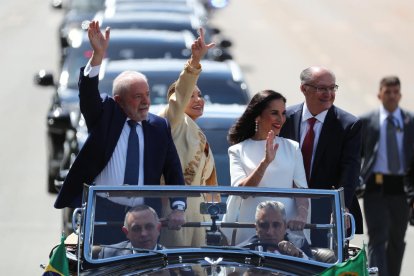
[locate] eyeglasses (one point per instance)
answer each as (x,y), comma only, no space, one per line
(330,89)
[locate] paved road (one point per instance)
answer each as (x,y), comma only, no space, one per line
(359,40)
(274,41)
(28,223)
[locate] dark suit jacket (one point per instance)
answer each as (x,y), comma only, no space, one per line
(120,249)
(337,159)
(298,241)
(105,120)
(371,135)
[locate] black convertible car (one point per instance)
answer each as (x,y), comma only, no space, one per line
(217,255)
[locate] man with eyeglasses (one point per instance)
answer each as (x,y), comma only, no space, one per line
(330,140)
(388,145)
(271,232)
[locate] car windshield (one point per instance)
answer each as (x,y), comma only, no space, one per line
(171,21)
(149,21)
(224,218)
(86,5)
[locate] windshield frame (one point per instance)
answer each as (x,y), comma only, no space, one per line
(89,200)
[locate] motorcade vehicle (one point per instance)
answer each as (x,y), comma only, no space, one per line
(217,255)
(166,21)
(125,44)
(75,12)
(196,8)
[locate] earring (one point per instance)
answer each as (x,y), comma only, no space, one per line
(256,126)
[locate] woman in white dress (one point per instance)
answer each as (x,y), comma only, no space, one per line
(259,158)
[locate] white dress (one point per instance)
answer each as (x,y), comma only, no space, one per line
(286,169)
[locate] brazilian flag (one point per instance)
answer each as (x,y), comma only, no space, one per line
(58,263)
(356,266)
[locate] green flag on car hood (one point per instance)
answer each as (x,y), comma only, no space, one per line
(58,263)
(356,266)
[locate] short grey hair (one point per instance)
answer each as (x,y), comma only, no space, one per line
(306,76)
(124,80)
(272,205)
(140,208)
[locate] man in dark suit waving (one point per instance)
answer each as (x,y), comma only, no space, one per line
(126,143)
(330,140)
(387,152)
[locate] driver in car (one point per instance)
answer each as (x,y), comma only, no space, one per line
(270,221)
(141,228)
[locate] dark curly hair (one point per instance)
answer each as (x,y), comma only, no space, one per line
(244,127)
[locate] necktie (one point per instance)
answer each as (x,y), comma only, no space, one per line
(307,147)
(132,158)
(392,147)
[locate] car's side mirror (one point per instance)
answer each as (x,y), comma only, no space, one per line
(59,121)
(44,78)
(215,31)
(60,178)
(220,55)
(225,43)
(57,4)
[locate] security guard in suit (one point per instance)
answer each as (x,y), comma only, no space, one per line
(388,146)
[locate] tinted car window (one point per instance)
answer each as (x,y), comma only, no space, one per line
(86,5)
(155,21)
(219,146)
(216,125)
(222,91)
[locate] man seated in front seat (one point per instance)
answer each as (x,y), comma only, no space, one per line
(270,220)
(141,228)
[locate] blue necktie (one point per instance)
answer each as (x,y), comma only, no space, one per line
(392,147)
(132,158)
